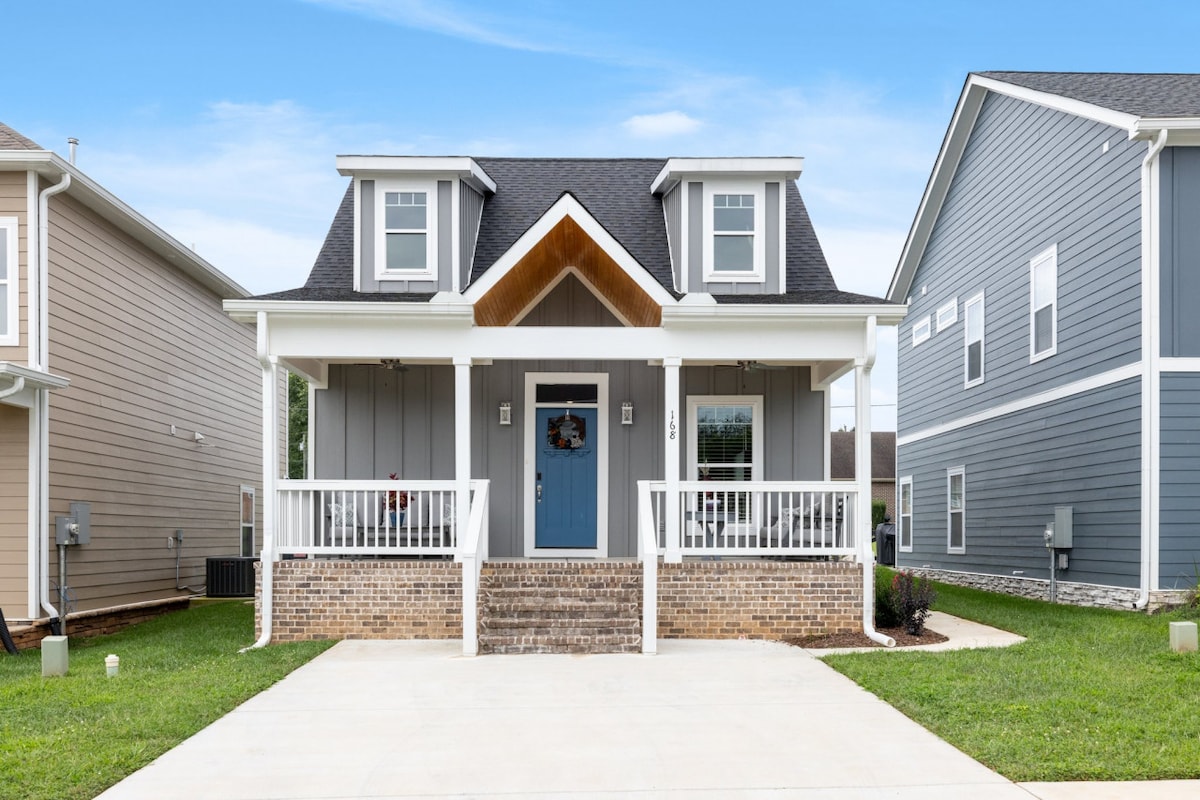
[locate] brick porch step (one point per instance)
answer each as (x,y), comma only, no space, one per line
(560,607)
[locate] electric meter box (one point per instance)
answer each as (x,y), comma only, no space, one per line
(1061,533)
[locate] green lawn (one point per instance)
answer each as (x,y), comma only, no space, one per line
(1092,694)
(74,736)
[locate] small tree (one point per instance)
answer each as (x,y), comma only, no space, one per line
(297,424)
(878,512)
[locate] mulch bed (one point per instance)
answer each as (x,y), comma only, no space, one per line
(834,640)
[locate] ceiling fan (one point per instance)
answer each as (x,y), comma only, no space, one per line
(751,366)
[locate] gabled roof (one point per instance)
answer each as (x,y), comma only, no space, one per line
(1141,104)
(11,140)
(615,192)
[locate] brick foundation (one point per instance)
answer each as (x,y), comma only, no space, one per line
(98,622)
(1069,593)
(758,599)
(343,599)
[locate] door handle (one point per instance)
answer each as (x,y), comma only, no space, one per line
(539,493)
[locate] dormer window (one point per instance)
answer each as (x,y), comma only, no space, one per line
(405,222)
(734,246)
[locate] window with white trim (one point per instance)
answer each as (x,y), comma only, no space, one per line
(247,515)
(405,221)
(973,352)
(947,315)
(956,510)
(904,517)
(726,438)
(921,331)
(1043,304)
(9,283)
(734,237)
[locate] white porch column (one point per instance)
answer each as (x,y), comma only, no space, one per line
(673,433)
(462,446)
(862,457)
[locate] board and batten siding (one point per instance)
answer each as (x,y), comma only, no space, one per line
(771,235)
(14,509)
(470,209)
(13,204)
(673,218)
(440,217)
(372,422)
(1179,255)
(1083,451)
(1030,177)
(1179,481)
(145,347)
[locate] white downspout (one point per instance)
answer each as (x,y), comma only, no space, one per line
(862,472)
(270,455)
(38,331)
(1151,352)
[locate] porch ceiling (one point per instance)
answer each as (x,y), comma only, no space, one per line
(566,245)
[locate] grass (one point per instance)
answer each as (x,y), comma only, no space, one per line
(1093,694)
(74,736)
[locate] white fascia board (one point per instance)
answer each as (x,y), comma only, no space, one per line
(568,206)
(34,378)
(777,314)
(113,209)
(461,166)
(1184,131)
(1107,116)
(788,167)
(427,312)
(370,338)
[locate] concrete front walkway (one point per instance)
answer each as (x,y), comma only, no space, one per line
(700,719)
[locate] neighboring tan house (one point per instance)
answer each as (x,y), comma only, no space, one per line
(123,386)
(1050,359)
(883,464)
(568,365)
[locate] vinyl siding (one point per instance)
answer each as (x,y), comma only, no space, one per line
(372,422)
(570,303)
(1179,173)
(439,210)
(14,509)
(1029,178)
(1082,451)
(145,348)
(771,233)
(1179,479)
(13,204)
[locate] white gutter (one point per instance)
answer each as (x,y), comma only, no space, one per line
(1151,352)
(270,455)
(40,328)
(862,457)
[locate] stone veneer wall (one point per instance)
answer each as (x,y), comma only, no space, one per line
(343,599)
(758,599)
(1069,593)
(97,622)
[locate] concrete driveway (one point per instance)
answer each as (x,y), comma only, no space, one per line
(700,719)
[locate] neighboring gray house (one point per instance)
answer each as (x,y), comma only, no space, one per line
(579,363)
(1051,353)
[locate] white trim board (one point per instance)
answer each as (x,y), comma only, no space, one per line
(1109,378)
(1179,365)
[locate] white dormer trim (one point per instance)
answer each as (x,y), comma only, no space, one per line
(568,206)
(676,168)
(462,167)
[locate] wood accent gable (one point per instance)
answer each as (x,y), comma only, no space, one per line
(566,245)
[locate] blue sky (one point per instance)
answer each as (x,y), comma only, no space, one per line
(220,120)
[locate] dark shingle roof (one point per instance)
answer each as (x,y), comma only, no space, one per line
(1141,94)
(821,297)
(11,140)
(616,191)
(346,294)
(883,455)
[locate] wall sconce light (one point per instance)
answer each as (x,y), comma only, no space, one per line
(626,413)
(506,413)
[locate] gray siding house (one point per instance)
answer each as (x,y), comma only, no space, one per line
(1048,359)
(597,364)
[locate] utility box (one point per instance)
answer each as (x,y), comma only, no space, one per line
(1059,533)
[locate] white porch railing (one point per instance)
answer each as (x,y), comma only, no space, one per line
(758,518)
(368,517)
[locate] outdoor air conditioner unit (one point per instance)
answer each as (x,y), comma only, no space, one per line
(230,576)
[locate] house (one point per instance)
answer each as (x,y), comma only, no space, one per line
(129,405)
(561,373)
(1050,362)
(883,464)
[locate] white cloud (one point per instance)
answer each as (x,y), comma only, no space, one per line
(660,126)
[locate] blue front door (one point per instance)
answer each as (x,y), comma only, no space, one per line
(565,499)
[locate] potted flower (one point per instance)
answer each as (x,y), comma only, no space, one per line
(397,504)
